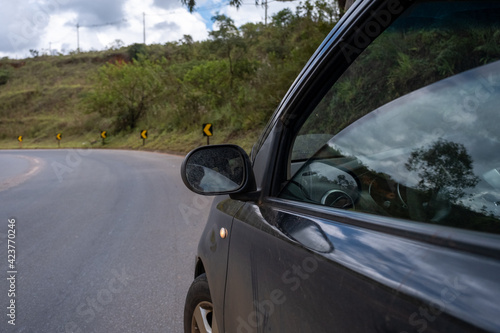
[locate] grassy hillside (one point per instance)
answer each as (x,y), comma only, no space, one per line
(235,80)
(45,96)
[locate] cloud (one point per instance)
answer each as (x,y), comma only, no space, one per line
(51,24)
(22,24)
(167,4)
(26,22)
(94,11)
(166,26)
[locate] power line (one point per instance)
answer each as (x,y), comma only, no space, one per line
(78,38)
(173,12)
(201,8)
(215,6)
(78,26)
(104,24)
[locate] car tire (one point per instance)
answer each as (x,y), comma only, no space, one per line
(198,310)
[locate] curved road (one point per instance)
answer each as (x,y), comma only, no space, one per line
(105,240)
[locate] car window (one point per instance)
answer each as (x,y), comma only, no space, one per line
(410,129)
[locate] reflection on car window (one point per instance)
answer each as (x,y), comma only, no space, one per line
(413,137)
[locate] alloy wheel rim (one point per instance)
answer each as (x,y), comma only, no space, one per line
(203,319)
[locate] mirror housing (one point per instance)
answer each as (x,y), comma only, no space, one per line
(219,170)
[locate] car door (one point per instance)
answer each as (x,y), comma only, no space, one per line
(380,208)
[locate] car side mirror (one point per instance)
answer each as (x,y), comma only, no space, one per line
(217,170)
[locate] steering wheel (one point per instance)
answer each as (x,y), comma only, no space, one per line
(337,199)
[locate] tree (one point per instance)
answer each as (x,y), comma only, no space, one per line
(226,38)
(283,18)
(136,50)
(344,5)
(4,76)
(126,92)
(207,86)
(444,166)
(115,45)
(34,53)
(185,47)
(190,4)
(187,39)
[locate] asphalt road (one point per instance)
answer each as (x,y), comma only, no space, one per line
(104,241)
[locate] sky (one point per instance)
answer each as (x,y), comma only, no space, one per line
(50,26)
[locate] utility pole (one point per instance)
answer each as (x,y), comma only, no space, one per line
(77,38)
(265,6)
(144,27)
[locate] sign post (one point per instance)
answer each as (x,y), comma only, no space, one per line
(59,137)
(208,131)
(20,139)
(144,136)
(104,135)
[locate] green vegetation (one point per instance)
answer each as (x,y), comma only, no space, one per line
(235,80)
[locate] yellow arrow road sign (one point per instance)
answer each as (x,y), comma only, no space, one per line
(144,134)
(20,138)
(104,134)
(207,130)
(59,136)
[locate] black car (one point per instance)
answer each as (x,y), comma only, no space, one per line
(371,202)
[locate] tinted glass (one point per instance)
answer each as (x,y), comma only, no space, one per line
(413,123)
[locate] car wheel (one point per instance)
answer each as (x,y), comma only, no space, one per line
(199,310)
